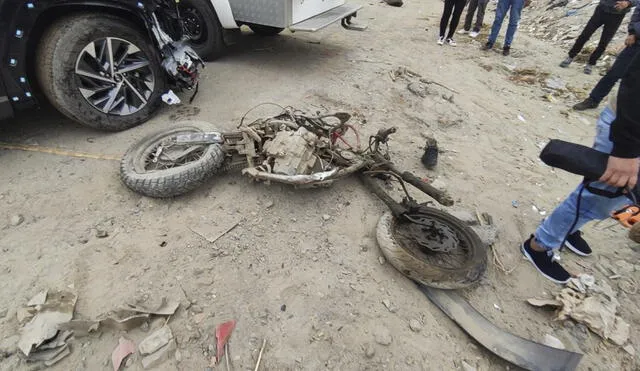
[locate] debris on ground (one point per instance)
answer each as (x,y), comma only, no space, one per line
(157,347)
(161,355)
(389,305)
(16,220)
(121,352)
(415,325)
(382,335)
(430,157)
(156,340)
(223,333)
(528,76)
(594,305)
(369,350)
(555,83)
(57,308)
(467,367)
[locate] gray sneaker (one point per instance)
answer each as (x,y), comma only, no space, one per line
(565,63)
(588,69)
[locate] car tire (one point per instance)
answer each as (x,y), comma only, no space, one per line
(265,30)
(62,55)
(201,24)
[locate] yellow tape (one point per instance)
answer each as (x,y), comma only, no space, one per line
(57,151)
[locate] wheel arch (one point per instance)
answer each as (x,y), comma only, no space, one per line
(224,13)
(53,13)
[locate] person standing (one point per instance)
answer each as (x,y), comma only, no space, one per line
(514,7)
(618,133)
(452,10)
(608,81)
(481,6)
(608,15)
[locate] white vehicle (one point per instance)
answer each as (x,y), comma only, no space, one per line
(212,24)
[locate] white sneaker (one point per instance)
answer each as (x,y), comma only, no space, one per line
(441,40)
(474,34)
(451,42)
(463,31)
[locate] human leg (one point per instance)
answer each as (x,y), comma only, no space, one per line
(514,20)
(455,18)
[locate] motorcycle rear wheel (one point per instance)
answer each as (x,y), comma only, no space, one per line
(163,178)
(458,268)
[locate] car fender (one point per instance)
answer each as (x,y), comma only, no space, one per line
(224,13)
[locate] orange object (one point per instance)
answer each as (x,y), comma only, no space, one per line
(628,216)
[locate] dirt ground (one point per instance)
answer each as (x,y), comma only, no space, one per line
(311,286)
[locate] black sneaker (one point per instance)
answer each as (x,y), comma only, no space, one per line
(586,104)
(487,46)
(545,263)
(506,50)
(577,244)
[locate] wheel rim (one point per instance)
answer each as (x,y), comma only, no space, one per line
(434,242)
(114,76)
(164,153)
(194,25)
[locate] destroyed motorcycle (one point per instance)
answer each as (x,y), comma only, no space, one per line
(426,244)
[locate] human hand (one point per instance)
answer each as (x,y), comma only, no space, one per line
(621,172)
(622,5)
(631,39)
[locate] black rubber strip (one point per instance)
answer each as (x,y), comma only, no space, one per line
(519,351)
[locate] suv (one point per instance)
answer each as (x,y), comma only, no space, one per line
(106,63)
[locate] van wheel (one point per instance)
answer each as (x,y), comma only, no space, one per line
(201,24)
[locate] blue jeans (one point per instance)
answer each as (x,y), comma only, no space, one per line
(514,18)
(553,230)
(608,81)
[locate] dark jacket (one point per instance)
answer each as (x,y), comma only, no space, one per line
(634,24)
(625,129)
(609,6)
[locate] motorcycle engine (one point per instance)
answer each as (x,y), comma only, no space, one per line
(292,151)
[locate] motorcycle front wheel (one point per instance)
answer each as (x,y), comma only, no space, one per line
(436,249)
(156,166)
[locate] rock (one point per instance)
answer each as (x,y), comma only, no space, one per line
(552,341)
(629,349)
(269,205)
(387,303)
(196,309)
(159,356)
(326,217)
(466,366)
(415,325)
(488,233)
(100,233)
(369,350)
(464,216)
(381,260)
(382,335)
(16,220)
(156,340)
(8,346)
